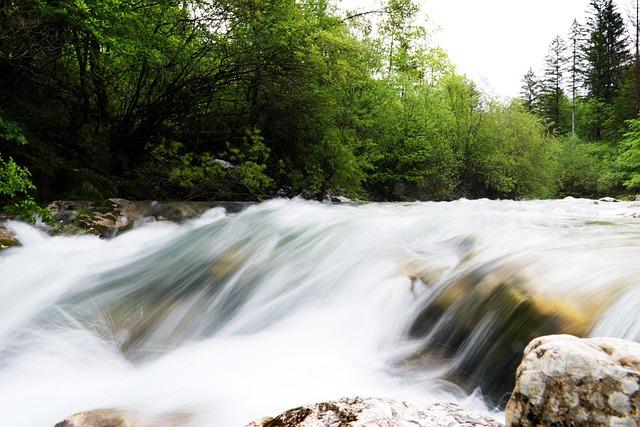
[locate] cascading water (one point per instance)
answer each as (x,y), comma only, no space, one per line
(229,318)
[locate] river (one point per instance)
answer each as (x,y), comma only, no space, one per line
(230,318)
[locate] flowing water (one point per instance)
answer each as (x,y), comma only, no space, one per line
(229,318)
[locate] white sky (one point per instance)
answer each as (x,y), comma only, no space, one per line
(494,42)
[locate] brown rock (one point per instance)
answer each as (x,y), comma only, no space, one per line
(7,239)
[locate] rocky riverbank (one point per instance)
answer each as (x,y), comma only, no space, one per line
(109,217)
(562,381)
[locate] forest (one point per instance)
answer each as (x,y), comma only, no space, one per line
(253,99)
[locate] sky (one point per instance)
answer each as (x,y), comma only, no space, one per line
(495,42)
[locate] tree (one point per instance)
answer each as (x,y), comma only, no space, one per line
(606,53)
(529,90)
(551,91)
(576,67)
(635,23)
(629,160)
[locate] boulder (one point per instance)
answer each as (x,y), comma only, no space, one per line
(566,381)
(360,412)
(637,198)
(7,239)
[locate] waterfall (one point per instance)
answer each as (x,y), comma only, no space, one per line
(231,317)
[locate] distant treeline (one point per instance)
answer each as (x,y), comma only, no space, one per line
(247,99)
(589,97)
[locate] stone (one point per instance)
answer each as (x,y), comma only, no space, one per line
(608,200)
(637,198)
(118,418)
(481,320)
(565,380)
(361,412)
(109,217)
(7,239)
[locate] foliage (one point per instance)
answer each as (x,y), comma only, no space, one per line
(15,180)
(229,99)
(582,171)
(629,159)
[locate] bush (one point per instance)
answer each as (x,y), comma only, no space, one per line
(15,180)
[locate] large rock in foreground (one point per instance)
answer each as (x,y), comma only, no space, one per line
(360,412)
(567,381)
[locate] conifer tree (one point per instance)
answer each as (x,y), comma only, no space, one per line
(607,57)
(606,50)
(529,90)
(576,66)
(551,91)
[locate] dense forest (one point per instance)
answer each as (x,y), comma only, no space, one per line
(588,96)
(250,99)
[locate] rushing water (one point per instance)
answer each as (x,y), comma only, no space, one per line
(229,318)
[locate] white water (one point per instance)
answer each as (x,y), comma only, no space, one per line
(230,318)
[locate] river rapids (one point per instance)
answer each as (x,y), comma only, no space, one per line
(232,317)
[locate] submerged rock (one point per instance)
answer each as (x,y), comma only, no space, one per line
(564,380)
(479,323)
(608,200)
(360,412)
(7,239)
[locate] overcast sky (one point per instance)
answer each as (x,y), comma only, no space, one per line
(494,42)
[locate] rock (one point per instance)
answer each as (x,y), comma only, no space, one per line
(481,320)
(109,217)
(608,200)
(7,239)
(566,381)
(101,418)
(360,412)
(117,418)
(637,198)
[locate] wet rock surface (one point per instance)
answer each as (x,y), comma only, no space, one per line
(482,320)
(7,239)
(117,418)
(566,381)
(360,412)
(107,218)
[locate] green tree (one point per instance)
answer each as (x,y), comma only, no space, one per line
(629,160)
(552,96)
(606,53)
(529,90)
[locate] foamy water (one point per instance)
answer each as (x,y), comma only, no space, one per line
(229,318)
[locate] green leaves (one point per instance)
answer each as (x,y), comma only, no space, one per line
(629,159)
(15,180)
(11,132)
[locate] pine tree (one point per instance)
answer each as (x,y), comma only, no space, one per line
(635,22)
(606,50)
(529,90)
(576,66)
(552,93)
